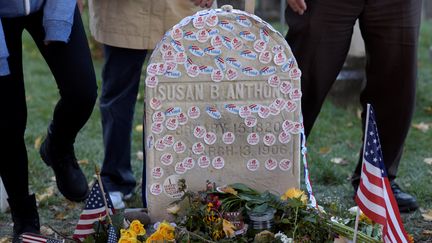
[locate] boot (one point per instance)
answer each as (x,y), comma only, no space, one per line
(25,216)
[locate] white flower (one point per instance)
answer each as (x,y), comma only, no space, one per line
(282,237)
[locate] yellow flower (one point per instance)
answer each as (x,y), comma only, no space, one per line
(127,233)
(410,238)
(137,227)
(155,237)
(166,230)
(295,193)
(128,240)
(229,190)
(174,209)
(366,219)
(228,228)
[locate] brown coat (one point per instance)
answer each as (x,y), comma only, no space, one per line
(135,24)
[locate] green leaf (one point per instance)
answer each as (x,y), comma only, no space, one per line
(260,208)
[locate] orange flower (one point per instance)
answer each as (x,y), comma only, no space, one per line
(137,227)
(295,193)
(127,233)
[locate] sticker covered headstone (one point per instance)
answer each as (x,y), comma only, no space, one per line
(222,104)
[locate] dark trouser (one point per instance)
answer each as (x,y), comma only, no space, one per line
(121,76)
(72,68)
(320,40)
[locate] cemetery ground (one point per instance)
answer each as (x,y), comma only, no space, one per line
(333,149)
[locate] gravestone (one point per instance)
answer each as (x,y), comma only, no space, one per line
(222,104)
(3,198)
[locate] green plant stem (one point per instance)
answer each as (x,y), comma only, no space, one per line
(194,235)
(295,222)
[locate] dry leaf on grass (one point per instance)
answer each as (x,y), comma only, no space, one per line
(324,150)
(428,109)
(139,128)
(5,239)
(428,161)
(46,230)
(428,215)
(427,232)
(49,192)
(37,142)
(140,155)
(339,161)
(424,127)
(60,216)
(83,161)
(359,112)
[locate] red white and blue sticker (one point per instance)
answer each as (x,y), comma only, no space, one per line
(193,70)
(280,58)
(190,36)
(194,112)
(250,71)
(243,21)
(226,25)
(294,73)
(228,138)
(150,142)
(177,45)
(248,54)
(173,111)
(247,35)
(165,47)
(226,41)
(277,49)
(212,32)
(252,164)
(204,69)
(264,35)
(287,125)
(212,51)
(274,111)
(196,51)
(290,106)
(232,108)
(295,94)
(264,111)
(169,56)
(297,128)
(216,41)
(173,74)
(288,65)
(213,112)
(284,137)
(244,111)
(161,68)
(180,58)
(233,62)
(171,66)
(250,121)
(212,20)
(218,162)
(220,63)
(268,70)
(254,108)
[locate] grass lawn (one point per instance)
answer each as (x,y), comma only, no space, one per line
(337,134)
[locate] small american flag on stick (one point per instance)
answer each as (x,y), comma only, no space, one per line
(35,238)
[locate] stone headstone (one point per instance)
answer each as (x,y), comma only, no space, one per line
(222,104)
(3,198)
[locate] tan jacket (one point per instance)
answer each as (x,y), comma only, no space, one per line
(136,24)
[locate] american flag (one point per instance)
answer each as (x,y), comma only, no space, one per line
(112,236)
(35,238)
(94,210)
(374,195)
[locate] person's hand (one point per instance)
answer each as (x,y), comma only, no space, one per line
(298,6)
(203,3)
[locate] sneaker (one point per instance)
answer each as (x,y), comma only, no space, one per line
(70,179)
(117,200)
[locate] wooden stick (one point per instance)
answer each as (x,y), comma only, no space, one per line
(103,194)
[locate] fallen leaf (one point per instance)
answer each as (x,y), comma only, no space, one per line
(46,230)
(424,127)
(139,128)
(140,155)
(83,162)
(428,109)
(60,216)
(228,228)
(38,142)
(5,239)
(339,161)
(427,232)
(324,150)
(49,192)
(359,112)
(428,215)
(428,161)
(349,124)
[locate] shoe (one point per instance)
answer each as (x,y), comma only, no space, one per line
(25,217)
(406,202)
(70,179)
(117,200)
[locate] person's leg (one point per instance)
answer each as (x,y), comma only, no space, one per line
(120,82)
(320,39)
(72,68)
(14,162)
(390,29)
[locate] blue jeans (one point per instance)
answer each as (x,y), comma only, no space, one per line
(120,82)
